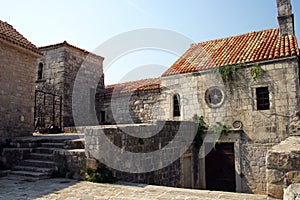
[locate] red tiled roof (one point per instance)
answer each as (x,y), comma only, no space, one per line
(8,33)
(66,44)
(140,85)
(247,48)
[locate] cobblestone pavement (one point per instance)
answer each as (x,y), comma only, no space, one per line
(66,189)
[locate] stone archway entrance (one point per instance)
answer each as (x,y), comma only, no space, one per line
(220,168)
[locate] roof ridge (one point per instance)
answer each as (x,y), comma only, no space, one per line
(245,48)
(234,36)
(65,43)
(128,82)
(10,34)
(4,22)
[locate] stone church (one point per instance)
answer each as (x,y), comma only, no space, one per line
(255,93)
(249,83)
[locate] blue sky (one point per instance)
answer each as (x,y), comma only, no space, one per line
(88,24)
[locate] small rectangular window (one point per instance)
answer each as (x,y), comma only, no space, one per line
(262,98)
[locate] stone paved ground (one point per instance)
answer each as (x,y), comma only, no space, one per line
(66,189)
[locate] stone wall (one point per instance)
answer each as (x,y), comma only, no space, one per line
(61,65)
(140,107)
(253,168)
(172,174)
(240,101)
(283,166)
(17,70)
(71,163)
(239,104)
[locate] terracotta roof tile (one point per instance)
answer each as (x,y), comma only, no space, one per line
(128,87)
(246,48)
(8,33)
(66,44)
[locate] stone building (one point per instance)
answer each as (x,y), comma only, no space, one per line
(248,82)
(55,76)
(17,74)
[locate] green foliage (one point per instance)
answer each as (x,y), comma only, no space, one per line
(100,175)
(203,129)
(223,129)
(228,72)
(256,72)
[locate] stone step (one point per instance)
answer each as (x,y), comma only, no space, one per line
(43,150)
(53,145)
(41,156)
(38,175)
(24,145)
(16,177)
(38,163)
(33,169)
(74,144)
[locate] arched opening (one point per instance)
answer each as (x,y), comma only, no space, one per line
(176,105)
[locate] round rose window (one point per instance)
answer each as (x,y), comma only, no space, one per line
(214,97)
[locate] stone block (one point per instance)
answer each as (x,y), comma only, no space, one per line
(292,177)
(275,191)
(274,176)
(92,163)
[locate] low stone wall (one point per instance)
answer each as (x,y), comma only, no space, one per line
(283,166)
(71,163)
(253,161)
(10,157)
(170,175)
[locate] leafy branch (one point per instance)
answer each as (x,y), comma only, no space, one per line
(203,129)
(256,72)
(228,72)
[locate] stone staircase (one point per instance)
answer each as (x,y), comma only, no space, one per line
(39,163)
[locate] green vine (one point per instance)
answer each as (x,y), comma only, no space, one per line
(100,175)
(256,72)
(228,72)
(203,129)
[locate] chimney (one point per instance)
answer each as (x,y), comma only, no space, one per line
(285,17)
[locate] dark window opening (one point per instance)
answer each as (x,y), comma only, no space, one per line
(40,71)
(176,105)
(102,116)
(263,99)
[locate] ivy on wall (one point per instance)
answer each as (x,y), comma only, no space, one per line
(256,72)
(228,72)
(203,129)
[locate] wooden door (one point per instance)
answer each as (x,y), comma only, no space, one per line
(187,172)
(220,168)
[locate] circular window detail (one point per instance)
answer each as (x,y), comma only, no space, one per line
(214,97)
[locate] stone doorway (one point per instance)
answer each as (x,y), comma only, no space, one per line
(220,168)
